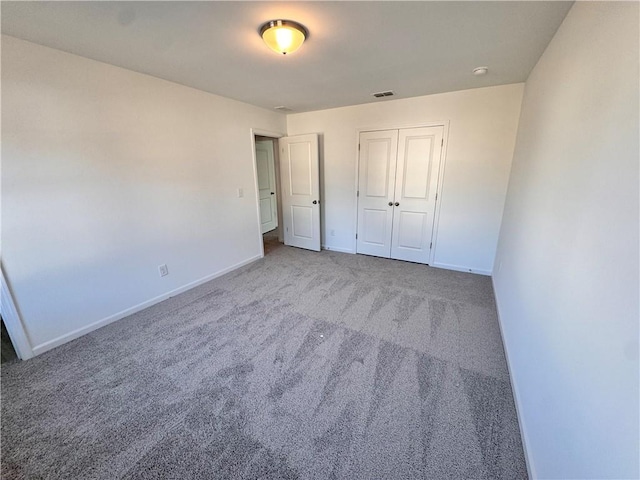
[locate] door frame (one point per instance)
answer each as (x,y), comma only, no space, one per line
(275,136)
(441,167)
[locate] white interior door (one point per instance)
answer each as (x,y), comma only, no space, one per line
(416,185)
(265,166)
(376,184)
(300,191)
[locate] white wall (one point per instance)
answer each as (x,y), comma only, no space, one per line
(483,125)
(107,174)
(567,290)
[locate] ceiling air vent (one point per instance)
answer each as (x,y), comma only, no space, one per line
(388,93)
(282,108)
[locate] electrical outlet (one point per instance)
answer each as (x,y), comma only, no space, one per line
(333,233)
(240,193)
(164,271)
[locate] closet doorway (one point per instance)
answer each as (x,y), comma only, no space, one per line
(398,177)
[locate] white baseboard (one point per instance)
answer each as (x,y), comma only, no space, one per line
(514,389)
(337,249)
(67,337)
(459,268)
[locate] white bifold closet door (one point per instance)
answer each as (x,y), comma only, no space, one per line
(397,188)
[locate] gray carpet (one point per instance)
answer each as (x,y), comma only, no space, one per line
(301,365)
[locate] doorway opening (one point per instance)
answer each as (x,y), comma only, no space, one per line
(7,351)
(291,210)
(269,196)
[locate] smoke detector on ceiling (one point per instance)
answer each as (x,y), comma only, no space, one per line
(282,108)
(480,71)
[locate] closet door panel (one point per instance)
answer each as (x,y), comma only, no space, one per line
(414,169)
(376,190)
(419,151)
(411,229)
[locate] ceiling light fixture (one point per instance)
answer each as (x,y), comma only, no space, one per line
(480,71)
(283,36)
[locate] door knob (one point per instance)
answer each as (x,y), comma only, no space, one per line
(391,204)
(273,193)
(315,202)
(397,204)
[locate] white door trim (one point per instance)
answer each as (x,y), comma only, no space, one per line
(262,133)
(12,321)
(441,167)
(436,216)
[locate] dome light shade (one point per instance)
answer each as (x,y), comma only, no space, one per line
(283,36)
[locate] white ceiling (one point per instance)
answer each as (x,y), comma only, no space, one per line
(353,49)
